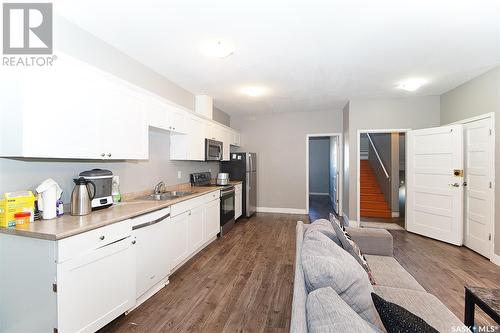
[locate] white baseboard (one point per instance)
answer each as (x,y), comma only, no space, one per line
(353,223)
(495,258)
(316,193)
(281,210)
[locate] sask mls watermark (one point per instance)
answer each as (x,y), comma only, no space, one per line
(27,34)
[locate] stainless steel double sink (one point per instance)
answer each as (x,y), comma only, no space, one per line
(168,195)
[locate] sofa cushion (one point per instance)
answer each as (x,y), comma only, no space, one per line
(327,312)
(397,319)
(372,241)
(350,246)
(326,264)
(388,272)
(325,227)
(424,305)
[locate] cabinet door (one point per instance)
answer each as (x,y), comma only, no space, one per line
(195,229)
(212,219)
(178,238)
(177,119)
(152,261)
(226,140)
(156,113)
(124,132)
(196,139)
(236,139)
(237,203)
(60,113)
(96,287)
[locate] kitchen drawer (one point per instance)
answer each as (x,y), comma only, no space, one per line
(74,246)
(193,203)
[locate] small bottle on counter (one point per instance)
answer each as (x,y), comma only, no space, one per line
(115,190)
(59,207)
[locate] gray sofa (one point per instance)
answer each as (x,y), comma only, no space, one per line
(393,282)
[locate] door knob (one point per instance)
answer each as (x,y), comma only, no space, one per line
(455,185)
(102,155)
(109,154)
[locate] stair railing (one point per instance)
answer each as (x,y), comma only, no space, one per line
(378,156)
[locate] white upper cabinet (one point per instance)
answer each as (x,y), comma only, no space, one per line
(204,106)
(226,140)
(71,110)
(236,141)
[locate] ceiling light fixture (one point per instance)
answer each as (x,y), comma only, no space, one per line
(412,84)
(254,91)
(218,48)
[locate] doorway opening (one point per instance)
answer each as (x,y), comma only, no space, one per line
(381,178)
(323,175)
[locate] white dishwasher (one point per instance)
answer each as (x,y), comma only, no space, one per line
(153,261)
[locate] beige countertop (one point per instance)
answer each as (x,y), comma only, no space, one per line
(69,225)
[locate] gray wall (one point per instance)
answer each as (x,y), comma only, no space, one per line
(346,160)
(221,117)
(412,112)
(334,167)
(476,97)
(279,139)
(319,165)
(134,176)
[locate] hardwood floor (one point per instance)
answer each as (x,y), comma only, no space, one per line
(443,270)
(244,281)
(240,283)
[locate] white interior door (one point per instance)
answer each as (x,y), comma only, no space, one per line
(334,173)
(435,193)
(479,189)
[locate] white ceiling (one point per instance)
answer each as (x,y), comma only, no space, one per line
(313,55)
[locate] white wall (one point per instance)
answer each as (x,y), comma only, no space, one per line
(412,112)
(319,165)
(476,97)
(279,139)
(134,176)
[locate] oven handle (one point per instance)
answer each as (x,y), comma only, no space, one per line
(226,192)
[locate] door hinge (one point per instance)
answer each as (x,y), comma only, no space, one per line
(491,185)
(54,287)
(491,131)
(489,237)
(56,330)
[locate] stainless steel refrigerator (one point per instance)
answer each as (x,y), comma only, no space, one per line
(243,166)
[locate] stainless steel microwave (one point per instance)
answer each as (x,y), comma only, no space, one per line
(213,150)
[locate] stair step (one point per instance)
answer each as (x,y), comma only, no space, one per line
(372,197)
(378,205)
(375,213)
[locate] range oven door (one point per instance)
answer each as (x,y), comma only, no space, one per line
(213,150)
(226,210)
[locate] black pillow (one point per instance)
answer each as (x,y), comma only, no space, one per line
(397,319)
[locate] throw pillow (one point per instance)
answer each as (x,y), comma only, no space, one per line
(326,264)
(351,247)
(325,227)
(327,312)
(397,319)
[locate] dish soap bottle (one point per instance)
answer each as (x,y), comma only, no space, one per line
(115,191)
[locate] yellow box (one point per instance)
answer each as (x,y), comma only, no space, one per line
(12,203)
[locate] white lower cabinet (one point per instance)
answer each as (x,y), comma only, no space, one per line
(152,252)
(178,238)
(195,228)
(238,203)
(96,287)
(211,225)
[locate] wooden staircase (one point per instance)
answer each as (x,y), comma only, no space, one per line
(373,203)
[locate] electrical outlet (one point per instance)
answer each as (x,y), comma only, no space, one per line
(179,174)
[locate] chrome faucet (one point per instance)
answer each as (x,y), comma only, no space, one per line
(158,187)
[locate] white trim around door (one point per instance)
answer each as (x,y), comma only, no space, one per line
(358,164)
(341,163)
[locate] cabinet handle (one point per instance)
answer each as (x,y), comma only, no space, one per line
(189,213)
(109,154)
(174,127)
(101,238)
(102,155)
(133,242)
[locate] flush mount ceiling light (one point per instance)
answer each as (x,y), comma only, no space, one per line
(254,91)
(412,84)
(218,48)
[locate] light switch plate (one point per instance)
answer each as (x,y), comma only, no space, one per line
(179,174)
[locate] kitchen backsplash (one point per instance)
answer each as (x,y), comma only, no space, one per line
(19,174)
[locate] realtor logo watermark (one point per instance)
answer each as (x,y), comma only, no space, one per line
(27,30)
